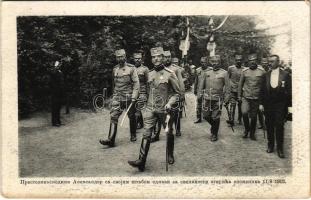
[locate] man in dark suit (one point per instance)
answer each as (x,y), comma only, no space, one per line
(276,99)
(57,93)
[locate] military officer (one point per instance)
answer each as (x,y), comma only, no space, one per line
(250,94)
(234,75)
(276,99)
(198,78)
(265,66)
(213,88)
(142,72)
(172,64)
(163,95)
(125,94)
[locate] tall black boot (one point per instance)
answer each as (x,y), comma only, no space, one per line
(112,135)
(199,112)
(240,113)
(170,148)
(253,128)
(157,129)
(139,120)
(246,125)
(215,129)
(177,123)
(133,129)
(144,148)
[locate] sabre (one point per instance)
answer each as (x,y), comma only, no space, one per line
(168,116)
(122,121)
(229,115)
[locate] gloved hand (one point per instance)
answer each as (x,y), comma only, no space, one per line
(261,108)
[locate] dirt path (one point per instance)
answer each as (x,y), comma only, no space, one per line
(73,150)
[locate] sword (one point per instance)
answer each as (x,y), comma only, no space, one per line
(122,121)
(228,116)
(168,116)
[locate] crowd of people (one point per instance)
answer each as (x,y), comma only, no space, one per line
(256,90)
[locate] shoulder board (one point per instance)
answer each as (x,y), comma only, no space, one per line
(130,65)
(169,70)
(261,68)
(245,69)
(223,70)
(231,66)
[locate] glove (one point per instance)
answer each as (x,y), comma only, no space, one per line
(261,108)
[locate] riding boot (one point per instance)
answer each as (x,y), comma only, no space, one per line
(177,123)
(112,135)
(157,129)
(139,120)
(214,130)
(133,129)
(246,125)
(239,113)
(253,128)
(170,148)
(144,148)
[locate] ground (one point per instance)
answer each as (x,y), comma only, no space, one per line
(73,150)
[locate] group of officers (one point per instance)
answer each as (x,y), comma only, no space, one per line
(257,90)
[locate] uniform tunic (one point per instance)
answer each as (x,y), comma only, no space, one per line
(126,89)
(163,88)
(142,73)
(234,75)
(213,90)
(250,90)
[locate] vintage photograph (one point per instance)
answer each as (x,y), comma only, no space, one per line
(166,95)
(155,99)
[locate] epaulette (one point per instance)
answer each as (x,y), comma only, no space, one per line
(169,70)
(130,65)
(261,68)
(231,66)
(246,68)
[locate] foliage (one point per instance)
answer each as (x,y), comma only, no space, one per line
(86,44)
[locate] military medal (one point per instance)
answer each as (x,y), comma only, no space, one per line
(283,84)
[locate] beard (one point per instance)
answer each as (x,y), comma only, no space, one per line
(158,67)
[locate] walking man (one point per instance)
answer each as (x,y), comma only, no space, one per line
(125,94)
(197,81)
(163,96)
(142,72)
(277,97)
(250,94)
(234,75)
(213,88)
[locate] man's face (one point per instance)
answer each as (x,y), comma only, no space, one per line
(57,65)
(137,62)
(273,62)
(167,59)
(252,62)
(121,59)
(204,63)
(215,63)
(238,61)
(157,59)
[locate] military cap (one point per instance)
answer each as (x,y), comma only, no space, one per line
(175,60)
(156,51)
(264,60)
(167,53)
(203,59)
(137,55)
(120,52)
(215,57)
(252,56)
(238,56)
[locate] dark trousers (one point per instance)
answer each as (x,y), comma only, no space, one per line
(274,119)
(56,107)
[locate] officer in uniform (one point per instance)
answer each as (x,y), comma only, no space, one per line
(163,95)
(172,64)
(125,94)
(265,66)
(198,78)
(213,88)
(277,97)
(250,94)
(57,93)
(234,75)
(142,72)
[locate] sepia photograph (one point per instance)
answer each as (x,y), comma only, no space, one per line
(96,91)
(125,99)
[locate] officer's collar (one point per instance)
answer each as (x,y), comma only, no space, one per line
(158,68)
